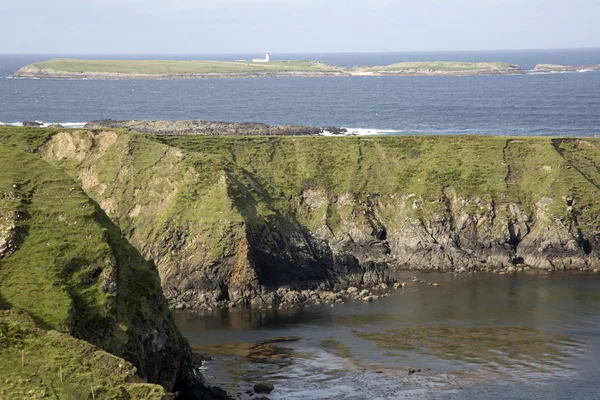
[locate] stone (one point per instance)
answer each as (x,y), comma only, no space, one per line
(32,124)
(264,387)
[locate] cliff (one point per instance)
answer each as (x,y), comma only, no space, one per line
(264,221)
(83,310)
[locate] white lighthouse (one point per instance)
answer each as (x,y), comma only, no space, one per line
(263,60)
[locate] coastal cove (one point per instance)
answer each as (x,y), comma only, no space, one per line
(474,336)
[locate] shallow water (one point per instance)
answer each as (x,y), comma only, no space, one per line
(473,336)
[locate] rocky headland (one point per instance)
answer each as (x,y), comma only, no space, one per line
(271,221)
(77,301)
(211,128)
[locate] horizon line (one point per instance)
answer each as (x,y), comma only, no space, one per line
(308,52)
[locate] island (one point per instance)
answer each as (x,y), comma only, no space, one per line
(441,68)
(565,68)
(66,68)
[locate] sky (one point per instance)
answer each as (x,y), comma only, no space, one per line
(293,26)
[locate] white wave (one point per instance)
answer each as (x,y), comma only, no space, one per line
(364,132)
(70,125)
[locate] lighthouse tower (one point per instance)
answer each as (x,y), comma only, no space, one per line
(263,60)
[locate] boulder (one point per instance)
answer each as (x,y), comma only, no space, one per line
(264,387)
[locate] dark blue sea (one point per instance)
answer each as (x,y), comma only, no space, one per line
(535,104)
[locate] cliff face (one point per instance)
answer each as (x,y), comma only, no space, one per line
(73,275)
(235,220)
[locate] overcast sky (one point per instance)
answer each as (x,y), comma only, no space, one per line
(294,26)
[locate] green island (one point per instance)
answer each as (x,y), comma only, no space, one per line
(441,68)
(116,69)
(103,231)
(196,69)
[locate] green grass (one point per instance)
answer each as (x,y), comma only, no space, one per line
(33,361)
(444,66)
(72,271)
(179,67)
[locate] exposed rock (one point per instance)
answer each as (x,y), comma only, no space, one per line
(206,128)
(34,124)
(246,233)
(264,387)
(334,130)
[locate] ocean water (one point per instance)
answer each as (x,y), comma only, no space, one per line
(536,104)
(473,337)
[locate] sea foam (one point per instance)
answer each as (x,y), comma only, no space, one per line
(70,125)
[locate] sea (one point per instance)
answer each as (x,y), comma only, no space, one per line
(556,104)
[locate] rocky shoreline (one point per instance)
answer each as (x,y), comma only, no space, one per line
(212,128)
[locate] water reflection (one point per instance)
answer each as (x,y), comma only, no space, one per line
(466,333)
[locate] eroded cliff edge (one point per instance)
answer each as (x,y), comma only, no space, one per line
(77,300)
(235,221)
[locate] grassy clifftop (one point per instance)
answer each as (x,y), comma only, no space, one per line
(67,266)
(232,219)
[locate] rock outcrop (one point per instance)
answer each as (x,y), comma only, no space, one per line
(207,128)
(266,221)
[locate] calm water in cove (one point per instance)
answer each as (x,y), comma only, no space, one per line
(550,104)
(472,337)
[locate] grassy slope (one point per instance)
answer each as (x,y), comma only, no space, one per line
(520,169)
(67,261)
(179,67)
(33,361)
(474,166)
(445,66)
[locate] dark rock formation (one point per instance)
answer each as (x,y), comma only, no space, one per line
(206,128)
(264,387)
(34,124)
